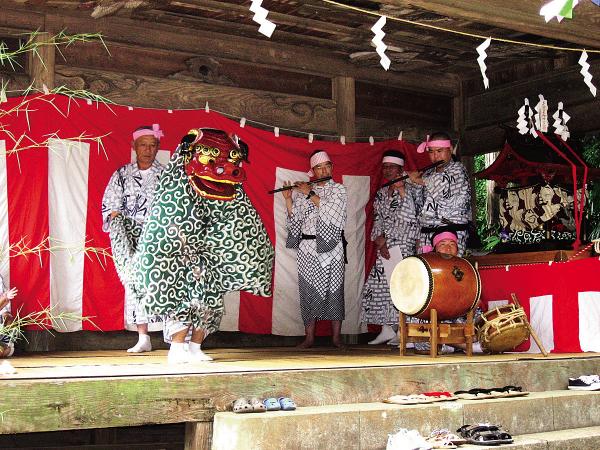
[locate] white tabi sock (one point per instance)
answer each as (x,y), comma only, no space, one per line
(178,353)
(387,334)
(143,344)
(196,353)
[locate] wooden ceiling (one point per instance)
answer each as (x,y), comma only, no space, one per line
(345,34)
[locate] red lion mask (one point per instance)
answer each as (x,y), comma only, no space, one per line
(214,164)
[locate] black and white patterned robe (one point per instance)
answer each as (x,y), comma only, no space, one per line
(447,196)
(320,260)
(396,219)
(130,194)
(7,337)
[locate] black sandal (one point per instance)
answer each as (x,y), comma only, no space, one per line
(485,434)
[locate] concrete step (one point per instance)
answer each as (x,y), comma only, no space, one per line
(367,425)
(576,439)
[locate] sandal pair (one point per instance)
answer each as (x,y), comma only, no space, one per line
(440,396)
(481,394)
(444,438)
(413,399)
(243,405)
(474,394)
(508,391)
(279,404)
(485,434)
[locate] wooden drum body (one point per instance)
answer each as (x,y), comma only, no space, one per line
(446,283)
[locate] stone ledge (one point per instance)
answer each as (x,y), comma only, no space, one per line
(366,425)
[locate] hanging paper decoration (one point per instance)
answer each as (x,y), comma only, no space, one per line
(380,47)
(260,16)
(560,122)
(559,9)
(585,71)
(481,50)
(524,122)
(541,115)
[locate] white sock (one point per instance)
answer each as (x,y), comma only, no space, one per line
(196,353)
(144,344)
(178,354)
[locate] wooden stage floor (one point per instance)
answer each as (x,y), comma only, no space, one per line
(118,363)
(108,389)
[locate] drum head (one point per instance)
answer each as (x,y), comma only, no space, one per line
(410,285)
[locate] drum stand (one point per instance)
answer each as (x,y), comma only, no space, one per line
(437,333)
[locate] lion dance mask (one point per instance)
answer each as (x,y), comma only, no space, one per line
(214,167)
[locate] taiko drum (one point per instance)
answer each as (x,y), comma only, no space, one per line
(448,284)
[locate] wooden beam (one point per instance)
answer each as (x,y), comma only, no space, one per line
(40,64)
(187,66)
(235,49)
(345,101)
(290,111)
(518,15)
(198,435)
(501,104)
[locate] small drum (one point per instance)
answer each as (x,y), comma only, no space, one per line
(502,329)
(446,283)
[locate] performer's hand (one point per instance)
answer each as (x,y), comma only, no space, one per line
(303,187)
(288,193)
(114,214)
(384,251)
(12,293)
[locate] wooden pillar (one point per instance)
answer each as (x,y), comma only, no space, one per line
(344,96)
(198,435)
(40,64)
(458,124)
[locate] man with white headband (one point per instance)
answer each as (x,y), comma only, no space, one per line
(395,224)
(316,217)
(126,204)
(447,192)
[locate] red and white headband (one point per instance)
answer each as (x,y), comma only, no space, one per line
(443,236)
(317,158)
(393,160)
(441,143)
(155,131)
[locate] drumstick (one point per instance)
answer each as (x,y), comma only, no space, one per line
(404,177)
(287,188)
(533,333)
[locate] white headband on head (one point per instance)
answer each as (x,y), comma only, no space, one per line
(393,160)
(317,158)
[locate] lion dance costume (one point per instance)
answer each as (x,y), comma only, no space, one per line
(203,237)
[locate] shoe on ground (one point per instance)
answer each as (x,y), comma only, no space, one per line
(585,383)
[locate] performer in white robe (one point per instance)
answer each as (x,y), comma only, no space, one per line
(8,335)
(395,225)
(315,223)
(126,204)
(447,194)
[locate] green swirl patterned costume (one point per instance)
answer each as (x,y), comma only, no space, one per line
(194,249)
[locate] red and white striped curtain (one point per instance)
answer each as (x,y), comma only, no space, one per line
(56,156)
